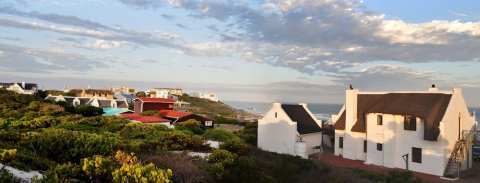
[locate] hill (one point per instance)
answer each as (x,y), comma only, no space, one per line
(216,110)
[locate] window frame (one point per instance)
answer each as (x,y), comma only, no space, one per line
(340,142)
(379,147)
(364,146)
(410,123)
(379,119)
(416,155)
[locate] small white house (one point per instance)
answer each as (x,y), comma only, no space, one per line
(21,88)
(431,127)
(289,129)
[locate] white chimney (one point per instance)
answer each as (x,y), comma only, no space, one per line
(351,108)
(23,84)
(457,91)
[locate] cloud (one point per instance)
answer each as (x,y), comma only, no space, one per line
(390,78)
(55,18)
(315,36)
(34,60)
(99,44)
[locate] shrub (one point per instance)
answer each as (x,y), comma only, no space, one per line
(98,168)
(192,125)
(133,171)
(176,140)
(221,156)
(185,169)
(141,131)
(236,146)
(74,145)
(219,134)
(51,109)
(88,111)
(244,169)
(151,113)
(65,173)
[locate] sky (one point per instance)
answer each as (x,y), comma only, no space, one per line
(258,50)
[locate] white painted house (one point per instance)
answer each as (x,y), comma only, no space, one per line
(21,88)
(289,129)
(432,127)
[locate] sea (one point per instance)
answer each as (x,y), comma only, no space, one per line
(321,111)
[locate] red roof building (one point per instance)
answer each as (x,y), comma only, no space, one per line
(144,119)
(178,117)
(142,104)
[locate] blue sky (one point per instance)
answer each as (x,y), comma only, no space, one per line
(259,50)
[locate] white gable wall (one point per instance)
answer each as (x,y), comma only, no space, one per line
(456,109)
(397,142)
(277,134)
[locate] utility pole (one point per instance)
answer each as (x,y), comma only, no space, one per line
(405,157)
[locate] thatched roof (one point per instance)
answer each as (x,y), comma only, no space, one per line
(430,107)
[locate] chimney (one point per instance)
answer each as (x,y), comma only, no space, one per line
(457,91)
(433,88)
(351,108)
(277,104)
(23,84)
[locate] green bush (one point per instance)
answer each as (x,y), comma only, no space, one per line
(219,134)
(192,125)
(74,145)
(221,156)
(151,113)
(244,169)
(141,131)
(236,146)
(176,140)
(88,111)
(67,172)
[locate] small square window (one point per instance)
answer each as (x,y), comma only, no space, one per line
(340,142)
(379,147)
(416,155)
(410,123)
(379,119)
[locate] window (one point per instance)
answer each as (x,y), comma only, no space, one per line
(275,114)
(416,155)
(379,147)
(410,123)
(208,123)
(340,142)
(379,120)
(365,146)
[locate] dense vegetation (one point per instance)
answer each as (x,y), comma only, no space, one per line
(221,112)
(70,147)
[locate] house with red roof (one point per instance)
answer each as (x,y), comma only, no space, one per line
(142,104)
(146,119)
(179,116)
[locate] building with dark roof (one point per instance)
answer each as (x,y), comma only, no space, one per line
(430,126)
(290,129)
(181,116)
(21,88)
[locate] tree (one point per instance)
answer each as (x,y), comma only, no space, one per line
(141,94)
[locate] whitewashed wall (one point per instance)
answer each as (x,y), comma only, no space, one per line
(277,134)
(312,140)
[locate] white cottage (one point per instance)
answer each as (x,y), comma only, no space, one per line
(434,128)
(289,129)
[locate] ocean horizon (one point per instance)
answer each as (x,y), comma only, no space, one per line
(321,111)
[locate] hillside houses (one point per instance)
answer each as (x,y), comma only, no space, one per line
(21,88)
(431,129)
